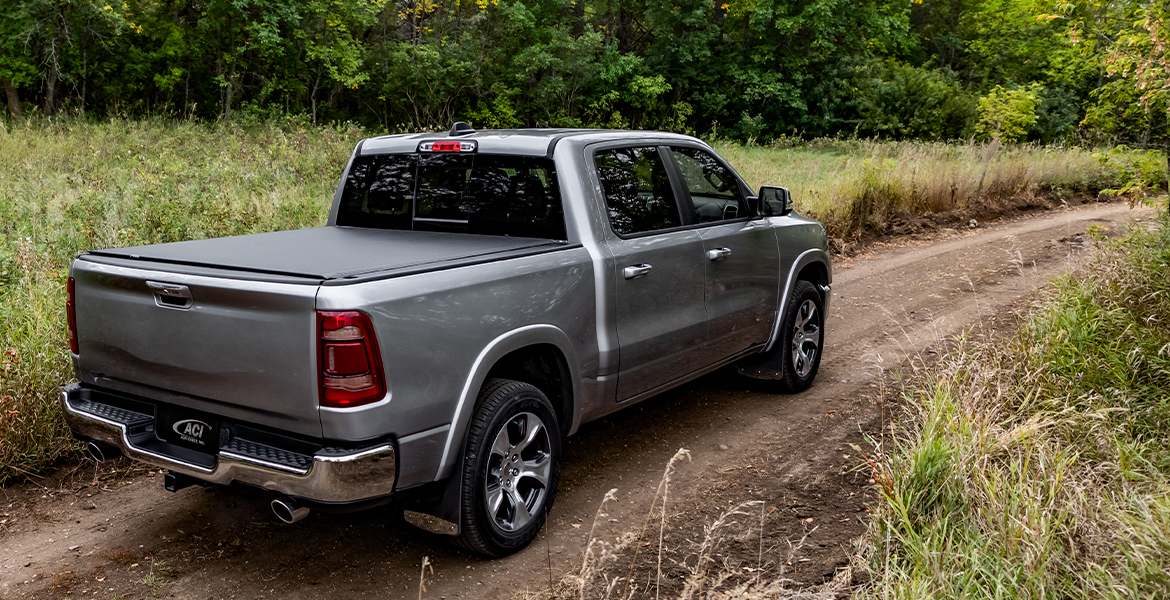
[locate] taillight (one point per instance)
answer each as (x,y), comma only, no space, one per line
(71,315)
(351,368)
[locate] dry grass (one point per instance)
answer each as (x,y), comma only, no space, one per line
(1038,466)
(858,186)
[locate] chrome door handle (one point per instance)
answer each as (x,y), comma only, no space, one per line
(718,253)
(636,271)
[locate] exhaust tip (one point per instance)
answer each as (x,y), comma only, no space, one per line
(288,511)
(101,452)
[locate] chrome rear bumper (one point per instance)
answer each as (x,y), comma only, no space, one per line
(331,475)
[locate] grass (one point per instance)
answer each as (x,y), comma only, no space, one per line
(71,186)
(859,186)
(1038,466)
(68,186)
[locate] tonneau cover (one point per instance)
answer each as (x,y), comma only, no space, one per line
(333,253)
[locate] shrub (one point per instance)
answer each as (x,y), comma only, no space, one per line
(1007,114)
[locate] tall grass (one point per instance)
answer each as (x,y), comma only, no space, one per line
(857,186)
(72,185)
(1039,466)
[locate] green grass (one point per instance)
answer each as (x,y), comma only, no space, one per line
(71,185)
(1038,466)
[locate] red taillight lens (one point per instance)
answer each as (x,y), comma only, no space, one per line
(71,315)
(351,368)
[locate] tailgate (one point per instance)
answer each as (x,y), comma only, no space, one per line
(237,348)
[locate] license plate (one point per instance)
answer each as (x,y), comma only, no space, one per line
(192,430)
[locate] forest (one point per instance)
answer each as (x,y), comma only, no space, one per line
(1084,72)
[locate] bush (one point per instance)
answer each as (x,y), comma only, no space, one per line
(1007,114)
(899,101)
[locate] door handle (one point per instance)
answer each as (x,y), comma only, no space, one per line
(718,253)
(636,271)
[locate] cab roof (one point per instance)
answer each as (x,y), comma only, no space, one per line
(522,142)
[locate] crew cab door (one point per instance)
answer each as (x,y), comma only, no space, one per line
(659,278)
(740,253)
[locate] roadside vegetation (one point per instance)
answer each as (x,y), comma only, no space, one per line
(1038,465)
(71,185)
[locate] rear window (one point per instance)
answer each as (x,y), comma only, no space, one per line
(469,193)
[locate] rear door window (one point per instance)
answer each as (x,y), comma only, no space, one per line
(638,195)
(469,193)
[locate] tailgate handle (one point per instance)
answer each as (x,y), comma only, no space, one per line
(170,295)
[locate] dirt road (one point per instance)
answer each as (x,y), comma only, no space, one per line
(113,532)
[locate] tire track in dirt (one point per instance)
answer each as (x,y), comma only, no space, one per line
(102,533)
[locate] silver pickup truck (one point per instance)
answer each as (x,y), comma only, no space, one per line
(473,299)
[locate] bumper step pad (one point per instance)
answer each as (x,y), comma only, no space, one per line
(111,413)
(249,450)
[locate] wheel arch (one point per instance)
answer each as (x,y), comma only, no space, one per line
(812,265)
(518,354)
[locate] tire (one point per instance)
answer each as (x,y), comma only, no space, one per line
(802,337)
(501,434)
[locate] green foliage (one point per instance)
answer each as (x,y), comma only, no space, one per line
(742,69)
(1139,172)
(899,101)
(1006,114)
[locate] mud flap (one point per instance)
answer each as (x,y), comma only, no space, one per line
(766,365)
(435,507)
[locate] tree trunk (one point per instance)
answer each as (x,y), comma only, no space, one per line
(13,99)
(51,91)
(625,32)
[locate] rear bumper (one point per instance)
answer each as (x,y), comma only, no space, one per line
(330,475)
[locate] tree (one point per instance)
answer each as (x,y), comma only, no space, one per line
(1006,114)
(1142,54)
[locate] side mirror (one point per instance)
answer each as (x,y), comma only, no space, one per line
(775,201)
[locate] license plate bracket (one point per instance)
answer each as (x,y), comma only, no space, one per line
(190,429)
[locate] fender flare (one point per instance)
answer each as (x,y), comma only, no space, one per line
(805,259)
(502,345)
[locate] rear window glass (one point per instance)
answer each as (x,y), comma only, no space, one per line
(469,193)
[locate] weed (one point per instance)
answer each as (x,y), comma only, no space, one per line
(1038,465)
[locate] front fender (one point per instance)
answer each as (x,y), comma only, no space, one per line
(805,259)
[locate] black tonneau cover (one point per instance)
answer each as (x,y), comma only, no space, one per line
(326,254)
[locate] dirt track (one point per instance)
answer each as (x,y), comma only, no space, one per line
(114,532)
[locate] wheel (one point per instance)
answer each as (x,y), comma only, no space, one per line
(511,469)
(802,335)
